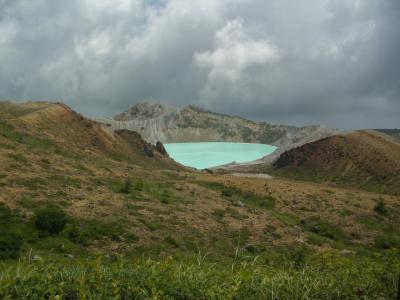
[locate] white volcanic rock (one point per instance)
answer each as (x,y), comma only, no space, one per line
(167,124)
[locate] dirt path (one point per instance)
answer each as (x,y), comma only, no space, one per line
(248,175)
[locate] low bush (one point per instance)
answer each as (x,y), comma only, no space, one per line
(139,186)
(170,240)
(75,234)
(86,231)
(51,220)
(323,228)
(5,213)
(126,188)
(227,192)
(300,257)
(387,241)
(165,197)
(10,245)
(381,208)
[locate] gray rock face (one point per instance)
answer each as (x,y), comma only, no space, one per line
(166,124)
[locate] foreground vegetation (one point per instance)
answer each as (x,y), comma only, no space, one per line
(195,278)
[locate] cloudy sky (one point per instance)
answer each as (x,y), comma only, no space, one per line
(332,62)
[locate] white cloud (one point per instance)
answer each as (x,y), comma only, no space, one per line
(228,66)
(235,50)
(99,7)
(7,32)
(98,44)
(264,58)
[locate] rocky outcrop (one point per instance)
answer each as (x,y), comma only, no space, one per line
(147,149)
(161,149)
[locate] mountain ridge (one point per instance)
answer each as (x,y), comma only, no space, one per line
(167,124)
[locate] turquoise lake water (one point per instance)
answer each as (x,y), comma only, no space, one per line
(207,155)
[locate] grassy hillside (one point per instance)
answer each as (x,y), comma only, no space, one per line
(110,215)
(364,159)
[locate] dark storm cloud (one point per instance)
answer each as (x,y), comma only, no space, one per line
(333,62)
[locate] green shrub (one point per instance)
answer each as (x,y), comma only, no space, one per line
(126,188)
(165,197)
(139,186)
(26,202)
(83,232)
(323,228)
(227,192)
(18,158)
(248,198)
(170,240)
(387,241)
(5,213)
(10,245)
(299,257)
(74,234)
(381,208)
(219,214)
(51,220)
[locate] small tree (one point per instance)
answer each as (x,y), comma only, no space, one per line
(381,208)
(51,220)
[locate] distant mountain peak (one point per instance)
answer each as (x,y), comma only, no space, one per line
(145,110)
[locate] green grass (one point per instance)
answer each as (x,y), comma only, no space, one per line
(372,184)
(234,267)
(234,195)
(76,235)
(196,278)
(64,181)
(19,158)
(84,232)
(41,145)
(33,183)
(323,228)
(6,146)
(154,190)
(154,224)
(387,241)
(286,218)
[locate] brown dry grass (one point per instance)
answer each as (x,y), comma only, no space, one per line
(365,159)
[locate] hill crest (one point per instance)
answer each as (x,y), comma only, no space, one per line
(367,159)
